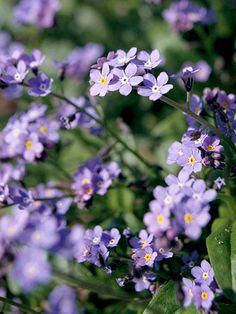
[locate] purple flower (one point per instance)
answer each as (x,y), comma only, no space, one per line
(190,260)
(33,148)
(211,144)
(195,106)
(188,289)
(144,282)
(15,74)
(11,226)
(153,87)
(144,257)
(41,235)
(183,14)
(158,219)
(101,80)
(47,130)
(38,12)
(40,85)
(111,238)
(200,193)
(203,274)
(62,300)
(149,61)
(191,160)
(35,60)
(123,80)
(220,182)
(94,236)
(31,269)
(142,241)
(21,197)
(122,57)
(203,297)
(180,182)
(204,71)
(175,153)
(191,218)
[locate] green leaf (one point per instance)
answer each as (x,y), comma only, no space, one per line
(226,308)
(164,301)
(219,251)
(189,310)
(233,256)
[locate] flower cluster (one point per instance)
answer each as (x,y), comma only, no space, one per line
(183,14)
(126,71)
(201,291)
(223,106)
(38,12)
(182,206)
(93,177)
(198,147)
(16,65)
(147,252)
(27,135)
(95,244)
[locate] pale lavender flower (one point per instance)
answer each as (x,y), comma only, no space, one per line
(195,105)
(190,218)
(122,57)
(94,236)
(180,182)
(31,269)
(153,87)
(175,153)
(35,60)
(123,80)
(158,219)
(191,160)
(62,300)
(188,289)
(203,274)
(200,193)
(100,80)
(38,12)
(149,61)
(21,197)
(144,257)
(142,241)
(203,297)
(144,282)
(15,74)
(220,182)
(33,148)
(40,85)
(111,238)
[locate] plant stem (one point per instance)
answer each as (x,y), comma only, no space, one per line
(18,305)
(199,119)
(90,285)
(107,127)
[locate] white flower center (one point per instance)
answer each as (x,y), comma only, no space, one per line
(17,77)
(148,64)
(43,86)
(124,80)
(155,89)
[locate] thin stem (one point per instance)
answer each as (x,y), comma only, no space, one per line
(107,127)
(199,119)
(18,305)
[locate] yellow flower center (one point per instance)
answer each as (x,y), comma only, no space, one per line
(85,252)
(147,257)
(191,160)
(210,147)
(160,219)
(197,110)
(205,275)
(143,243)
(103,80)
(188,218)
(43,129)
(190,293)
(204,295)
(16,133)
(85,181)
(225,105)
(29,144)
